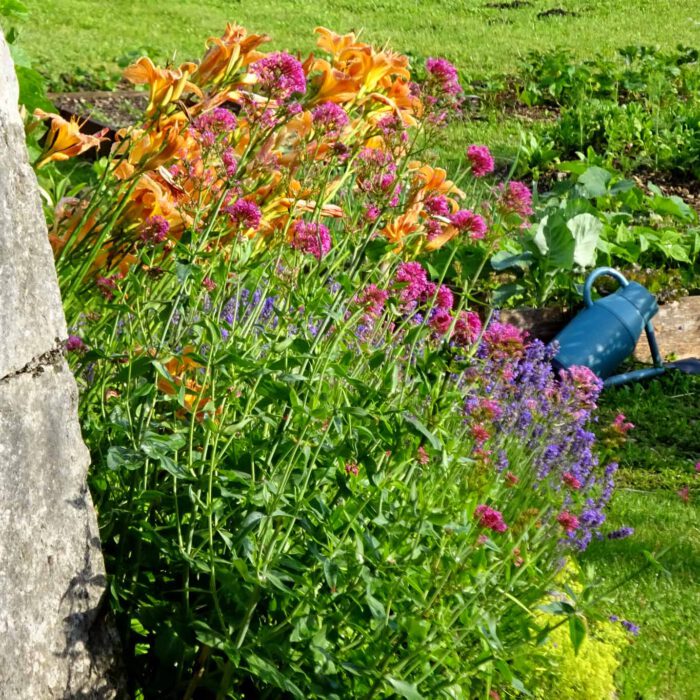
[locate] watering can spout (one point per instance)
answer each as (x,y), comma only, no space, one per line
(606,332)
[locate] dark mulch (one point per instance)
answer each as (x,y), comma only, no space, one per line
(513,5)
(556,12)
(687,187)
(114,109)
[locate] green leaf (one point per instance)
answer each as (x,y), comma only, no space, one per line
(595,181)
(183,270)
(173,467)
(555,242)
(585,229)
(13,9)
(421,428)
(577,632)
(502,294)
(32,89)
(404,689)
(121,457)
(505,259)
(375,607)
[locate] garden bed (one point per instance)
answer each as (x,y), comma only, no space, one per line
(111,108)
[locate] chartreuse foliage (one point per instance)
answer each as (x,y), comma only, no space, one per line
(318,473)
(586,669)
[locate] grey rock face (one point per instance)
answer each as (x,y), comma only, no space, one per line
(31,317)
(52,640)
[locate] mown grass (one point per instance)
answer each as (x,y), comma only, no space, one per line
(67,34)
(661,663)
(656,462)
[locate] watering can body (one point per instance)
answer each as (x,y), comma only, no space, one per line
(606,332)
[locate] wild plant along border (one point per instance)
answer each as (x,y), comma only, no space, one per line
(321,470)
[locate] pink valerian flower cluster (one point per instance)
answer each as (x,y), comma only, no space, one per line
(440,321)
(108,285)
(504,339)
(466,220)
(329,118)
(437,205)
(480,434)
(587,386)
(280,75)
(228,158)
(444,74)
(571,481)
(311,238)
(422,456)
(393,130)
(467,329)
(75,344)
(415,279)
(490,518)
(244,214)
(415,290)
(420,290)
(481,160)
(621,425)
(569,522)
(154,230)
(373,299)
(376,175)
(516,198)
(351,469)
(210,126)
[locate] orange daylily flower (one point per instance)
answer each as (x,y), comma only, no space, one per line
(177,368)
(431,179)
(225,52)
(151,197)
(448,233)
(150,149)
(64,139)
(334,43)
(332,85)
(166,85)
(402,226)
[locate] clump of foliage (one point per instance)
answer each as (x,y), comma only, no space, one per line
(638,112)
(319,472)
(583,670)
(596,217)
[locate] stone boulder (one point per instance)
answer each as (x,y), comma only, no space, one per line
(55,643)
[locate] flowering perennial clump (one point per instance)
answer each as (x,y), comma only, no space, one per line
(312,448)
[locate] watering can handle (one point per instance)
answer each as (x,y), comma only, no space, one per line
(595,275)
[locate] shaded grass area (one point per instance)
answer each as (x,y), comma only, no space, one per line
(665,445)
(661,663)
(657,460)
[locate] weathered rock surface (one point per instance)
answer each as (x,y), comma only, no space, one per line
(52,581)
(31,317)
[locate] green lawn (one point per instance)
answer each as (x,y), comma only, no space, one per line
(662,662)
(63,35)
(657,460)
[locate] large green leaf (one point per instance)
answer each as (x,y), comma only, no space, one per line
(505,259)
(404,689)
(595,181)
(585,229)
(555,242)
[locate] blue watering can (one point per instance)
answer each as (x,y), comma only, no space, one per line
(606,332)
